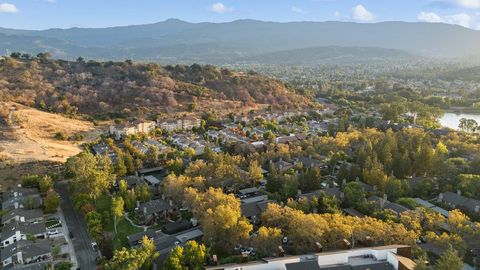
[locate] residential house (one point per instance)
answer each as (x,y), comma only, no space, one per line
(282,166)
(456,200)
(20,197)
(22,215)
(26,252)
(154,209)
(138,126)
(330,191)
(381,203)
(16,231)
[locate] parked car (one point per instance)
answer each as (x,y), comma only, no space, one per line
(94,246)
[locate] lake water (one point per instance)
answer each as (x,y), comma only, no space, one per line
(451,119)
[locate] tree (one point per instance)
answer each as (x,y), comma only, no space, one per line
(194,255)
(94,225)
(374,174)
(468,125)
(449,260)
(311,180)
(143,192)
(354,194)
(45,184)
(129,163)
(92,175)
(51,202)
(130,199)
(174,260)
(117,210)
(267,240)
(220,215)
(134,258)
(395,188)
(255,172)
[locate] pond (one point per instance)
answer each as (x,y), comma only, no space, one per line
(452,119)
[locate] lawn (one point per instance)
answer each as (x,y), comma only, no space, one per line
(124,228)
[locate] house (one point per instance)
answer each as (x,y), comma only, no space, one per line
(435,208)
(195,234)
(26,252)
(308,162)
(23,215)
(248,192)
(330,191)
(133,181)
(394,257)
(16,231)
(20,197)
(138,126)
(152,180)
(456,200)
(154,208)
(282,166)
(353,212)
(381,203)
(253,210)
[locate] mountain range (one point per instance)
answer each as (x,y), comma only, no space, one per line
(176,41)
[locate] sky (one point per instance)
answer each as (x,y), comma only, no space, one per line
(44,14)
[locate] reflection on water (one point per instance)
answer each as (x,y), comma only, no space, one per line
(451,120)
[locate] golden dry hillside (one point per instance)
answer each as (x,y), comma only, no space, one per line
(29,135)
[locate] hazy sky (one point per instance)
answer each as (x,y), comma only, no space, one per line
(42,14)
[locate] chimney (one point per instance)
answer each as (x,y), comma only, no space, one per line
(342,195)
(459,192)
(375,188)
(15,204)
(145,210)
(344,182)
(299,192)
(281,252)
(385,198)
(215,259)
(138,203)
(170,202)
(477,208)
(163,196)
(318,247)
(440,197)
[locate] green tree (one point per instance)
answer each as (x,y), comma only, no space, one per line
(143,192)
(92,175)
(117,210)
(353,194)
(395,188)
(449,260)
(45,184)
(51,202)
(94,225)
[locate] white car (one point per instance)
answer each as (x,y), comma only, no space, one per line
(53,232)
(94,246)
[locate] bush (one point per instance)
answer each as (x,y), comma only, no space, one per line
(60,136)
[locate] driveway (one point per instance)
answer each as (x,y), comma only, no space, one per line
(76,224)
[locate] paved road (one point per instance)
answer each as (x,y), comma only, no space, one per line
(81,241)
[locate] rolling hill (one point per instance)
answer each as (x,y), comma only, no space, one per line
(174,41)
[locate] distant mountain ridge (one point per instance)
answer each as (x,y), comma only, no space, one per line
(179,41)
